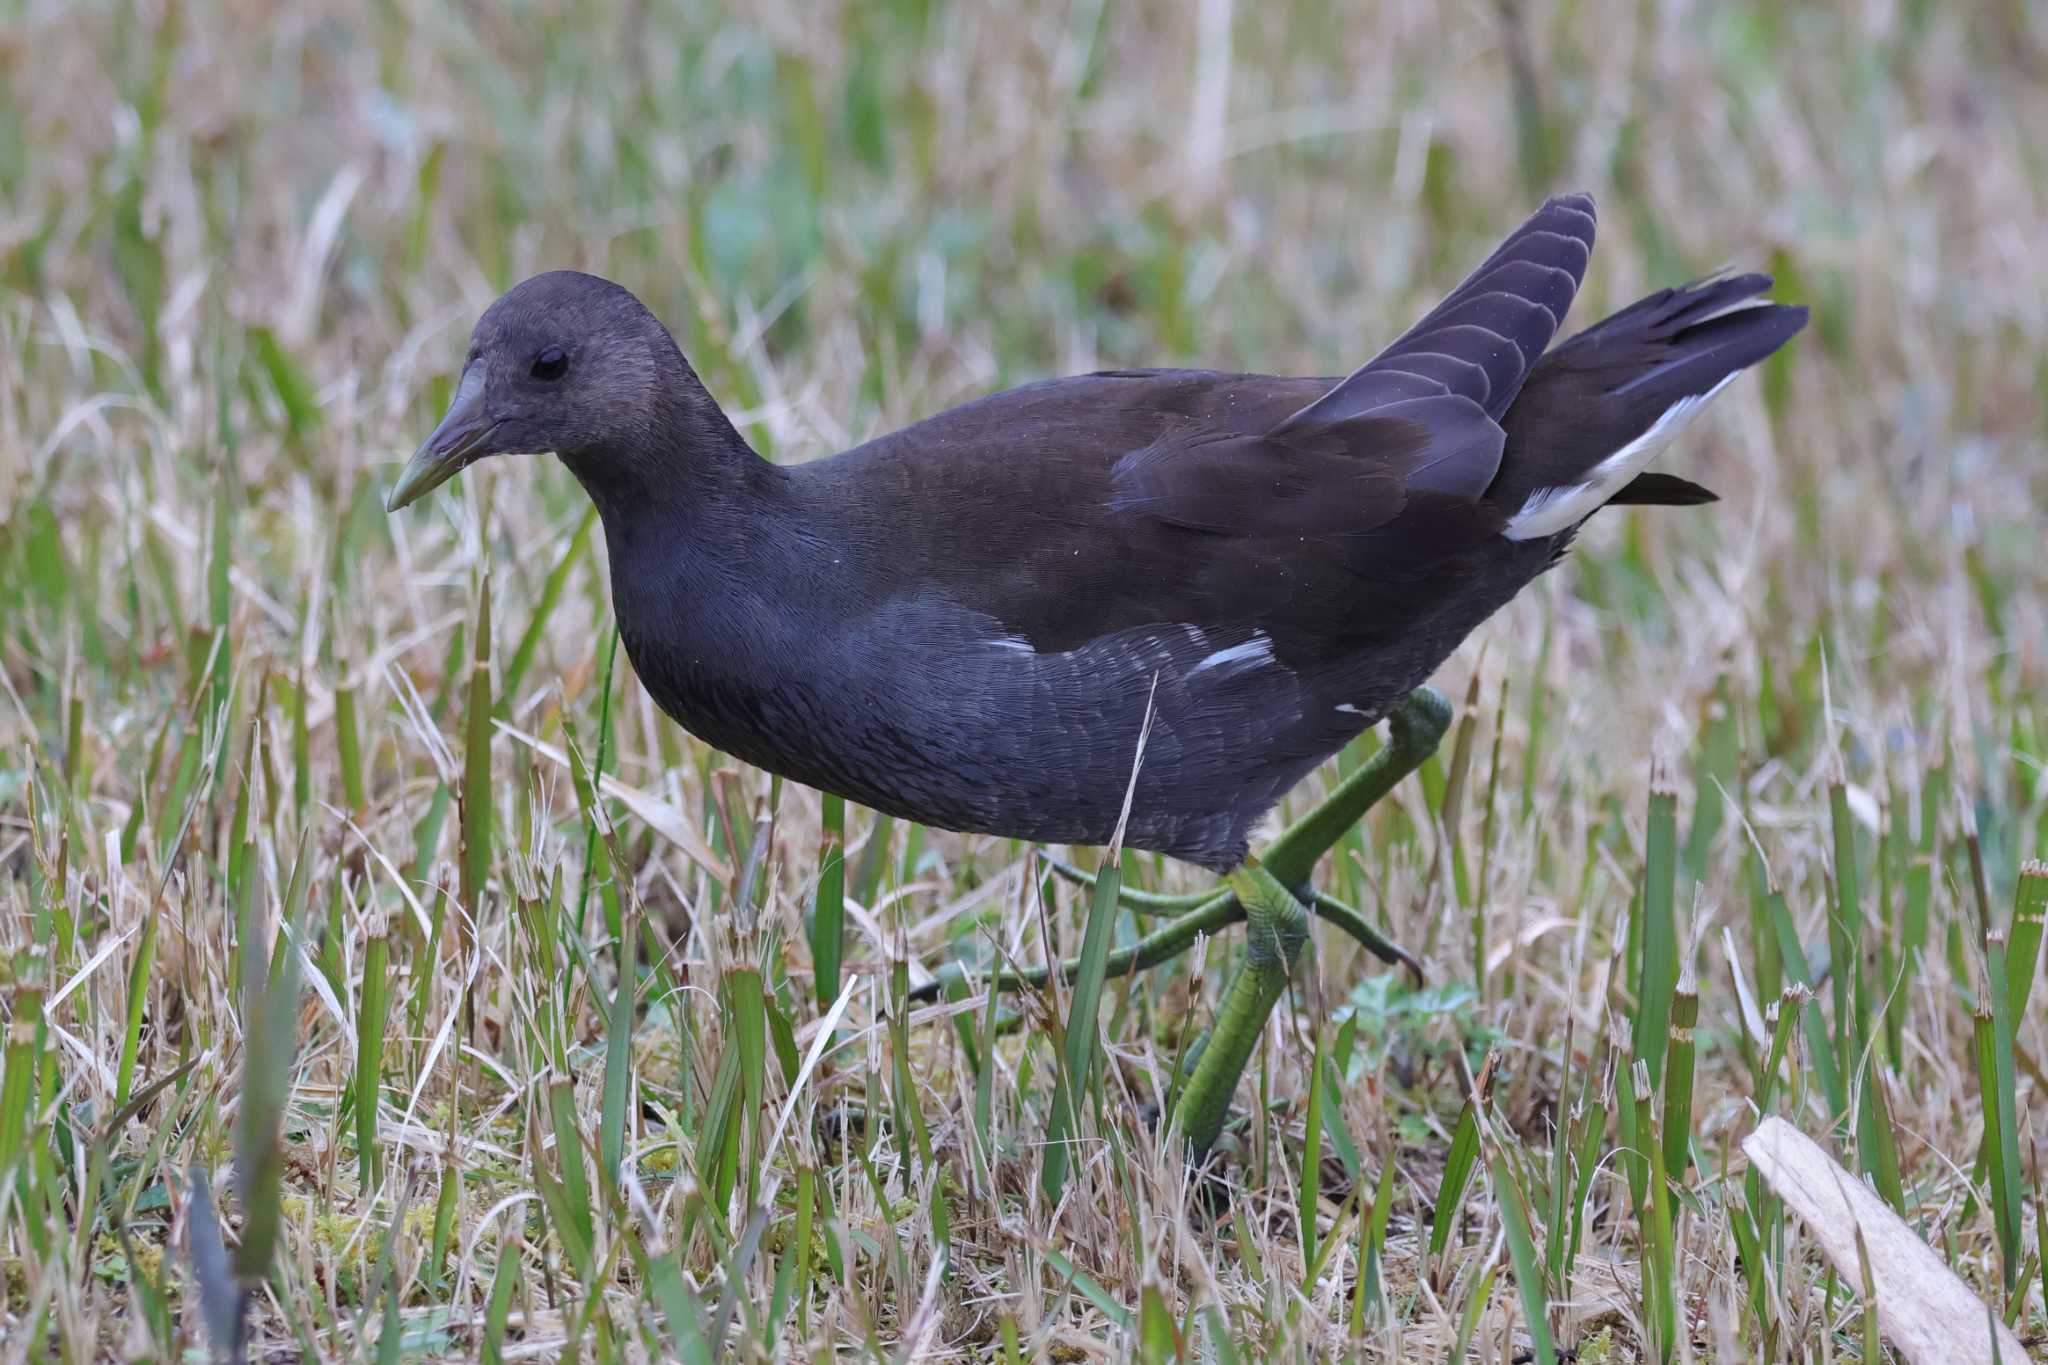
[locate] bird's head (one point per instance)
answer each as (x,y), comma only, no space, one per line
(564,362)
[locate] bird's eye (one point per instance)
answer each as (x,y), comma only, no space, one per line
(551,363)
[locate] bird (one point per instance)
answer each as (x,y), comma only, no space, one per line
(968,622)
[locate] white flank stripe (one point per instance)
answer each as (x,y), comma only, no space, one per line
(1255,651)
(1012,642)
(1551,510)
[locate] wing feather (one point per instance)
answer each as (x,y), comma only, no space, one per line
(1333,479)
(1499,321)
(1421,418)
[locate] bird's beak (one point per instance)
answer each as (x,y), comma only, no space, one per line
(461,440)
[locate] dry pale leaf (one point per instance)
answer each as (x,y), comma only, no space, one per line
(1926,1312)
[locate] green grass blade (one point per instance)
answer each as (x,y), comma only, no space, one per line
(1876,1140)
(682,1310)
(1372,1251)
(1477,1301)
(750,1035)
(446,1204)
(618,1065)
(18,1080)
(270,1047)
(1309,1196)
(2023,950)
(1159,1340)
(1659,942)
(349,748)
(372,1016)
(828,915)
(806,1257)
(717,1151)
(1090,1290)
(574,1214)
(1993,1030)
(1791,1007)
(222,1301)
(138,996)
(475,796)
(1660,1259)
(1458,1168)
(1077,1073)
(1678,1078)
(499,1308)
(1529,1281)
(1818,1045)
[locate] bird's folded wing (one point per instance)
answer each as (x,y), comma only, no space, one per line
(1333,478)
(1421,418)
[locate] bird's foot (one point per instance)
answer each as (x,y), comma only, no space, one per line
(1414,729)
(1354,923)
(1277,919)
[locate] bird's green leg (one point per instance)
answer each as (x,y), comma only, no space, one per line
(1277,923)
(1161,945)
(1257,893)
(1141,903)
(1414,730)
(1276,927)
(1170,940)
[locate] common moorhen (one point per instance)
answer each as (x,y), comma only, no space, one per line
(965,622)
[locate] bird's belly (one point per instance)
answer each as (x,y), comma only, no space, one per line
(992,738)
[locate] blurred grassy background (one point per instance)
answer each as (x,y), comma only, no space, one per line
(241,246)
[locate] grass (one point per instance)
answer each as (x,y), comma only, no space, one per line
(342,1017)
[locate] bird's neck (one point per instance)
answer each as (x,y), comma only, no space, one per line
(683,468)
(703,478)
(699,530)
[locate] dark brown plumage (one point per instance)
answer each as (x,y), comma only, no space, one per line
(963,622)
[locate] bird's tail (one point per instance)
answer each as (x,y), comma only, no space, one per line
(1598,408)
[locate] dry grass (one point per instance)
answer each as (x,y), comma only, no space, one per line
(240,245)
